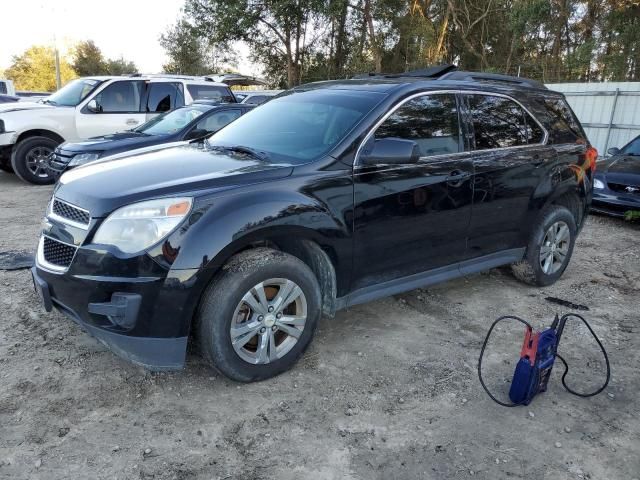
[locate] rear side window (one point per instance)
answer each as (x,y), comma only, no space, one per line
(210,92)
(497,122)
(3,87)
(430,120)
(216,121)
(164,96)
(564,125)
(121,97)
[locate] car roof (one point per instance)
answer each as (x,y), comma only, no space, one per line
(158,79)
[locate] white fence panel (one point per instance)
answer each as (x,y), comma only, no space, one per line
(609,112)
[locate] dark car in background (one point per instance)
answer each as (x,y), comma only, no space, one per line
(616,186)
(192,122)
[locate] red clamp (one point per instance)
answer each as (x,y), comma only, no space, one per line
(530,345)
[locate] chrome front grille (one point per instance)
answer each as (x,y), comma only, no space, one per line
(57,253)
(73,214)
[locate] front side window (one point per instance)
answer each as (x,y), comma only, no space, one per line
(497,122)
(430,120)
(164,96)
(632,148)
(216,121)
(121,97)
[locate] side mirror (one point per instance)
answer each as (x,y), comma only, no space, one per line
(613,151)
(93,106)
(196,133)
(390,151)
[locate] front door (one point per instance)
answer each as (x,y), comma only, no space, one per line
(412,218)
(119,108)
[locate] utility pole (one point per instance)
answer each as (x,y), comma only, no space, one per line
(57,69)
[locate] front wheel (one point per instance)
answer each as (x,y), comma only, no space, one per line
(258,315)
(29,159)
(550,248)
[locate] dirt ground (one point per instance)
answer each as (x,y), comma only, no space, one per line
(388,390)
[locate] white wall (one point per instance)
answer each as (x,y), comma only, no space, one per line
(593,103)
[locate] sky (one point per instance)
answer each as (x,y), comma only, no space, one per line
(127,28)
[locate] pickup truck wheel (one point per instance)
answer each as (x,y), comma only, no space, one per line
(549,249)
(259,315)
(29,159)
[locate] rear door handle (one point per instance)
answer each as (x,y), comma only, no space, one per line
(457,177)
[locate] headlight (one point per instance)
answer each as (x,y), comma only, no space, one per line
(83,158)
(598,184)
(141,225)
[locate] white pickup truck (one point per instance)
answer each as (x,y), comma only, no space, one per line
(88,107)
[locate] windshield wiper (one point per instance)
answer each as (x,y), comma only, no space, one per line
(242,149)
(50,102)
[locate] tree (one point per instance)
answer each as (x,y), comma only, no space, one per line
(35,70)
(120,66)
(275,30)
(185,49)
(88,59)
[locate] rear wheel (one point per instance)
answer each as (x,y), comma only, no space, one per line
(259,315)
(29,159)
(550,248)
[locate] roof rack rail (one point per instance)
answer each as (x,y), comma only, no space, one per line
(169,75)
(435,71)
(491,77)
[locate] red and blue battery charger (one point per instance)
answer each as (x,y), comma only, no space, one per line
(538,354)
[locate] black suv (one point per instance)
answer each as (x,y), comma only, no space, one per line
(334,194)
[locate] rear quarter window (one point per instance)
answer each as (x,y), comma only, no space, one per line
(210,92)
(563,124)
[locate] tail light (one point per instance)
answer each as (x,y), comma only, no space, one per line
(591,155)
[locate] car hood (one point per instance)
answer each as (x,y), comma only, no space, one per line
(17,106)
(103,186)
(114,143)
(623,169)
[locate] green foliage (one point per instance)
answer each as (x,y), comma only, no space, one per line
(35,70)
(550,40)
(120,66)
(187,52)
(88,59)
(632,215)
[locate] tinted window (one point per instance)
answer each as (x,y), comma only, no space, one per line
(216,121)
(299,127)
(210,92)
(535,134)
(255,99)
(164,97)
(120,97)
(431,121)
(564,126)
(3,87)
(497,122)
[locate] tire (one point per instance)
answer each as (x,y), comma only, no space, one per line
(535,268)
(223,304)
(5,166)
(33,149)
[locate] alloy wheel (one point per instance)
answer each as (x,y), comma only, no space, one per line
(37,161)
(268,321)
(555,247)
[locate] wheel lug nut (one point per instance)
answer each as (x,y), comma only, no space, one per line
(260,318)
(274,328)
(270,309)
(262,330)
(279,315)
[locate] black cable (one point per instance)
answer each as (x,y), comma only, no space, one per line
(484,345)
(566,366)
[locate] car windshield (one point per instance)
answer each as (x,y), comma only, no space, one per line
(298,127)
(170,122)
(73,93)
(632,148)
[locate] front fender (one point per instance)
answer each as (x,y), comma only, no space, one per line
(23,121)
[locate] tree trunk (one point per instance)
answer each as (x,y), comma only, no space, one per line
(375,50)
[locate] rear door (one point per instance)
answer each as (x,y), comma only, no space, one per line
(412,218)
(510,160)
(162,97)
(119,108)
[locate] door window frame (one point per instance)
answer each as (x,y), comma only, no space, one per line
(465,124)
(143,96)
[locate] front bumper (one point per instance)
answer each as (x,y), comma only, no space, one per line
(143,316)
(613,203)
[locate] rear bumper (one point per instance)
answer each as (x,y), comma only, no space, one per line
(144,320)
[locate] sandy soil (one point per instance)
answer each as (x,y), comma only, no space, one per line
(387,390)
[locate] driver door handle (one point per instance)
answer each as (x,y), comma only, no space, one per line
(457,177)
